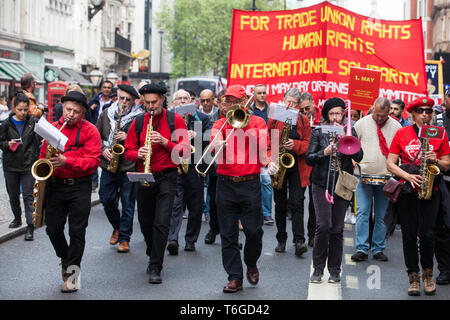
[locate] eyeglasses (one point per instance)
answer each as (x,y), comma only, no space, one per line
(305,109)
(125,98)
(335,114)
(205,100)
(422,110)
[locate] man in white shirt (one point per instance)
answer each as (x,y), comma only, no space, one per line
(375,131)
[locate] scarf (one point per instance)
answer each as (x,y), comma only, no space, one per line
(382,140)
(127,117)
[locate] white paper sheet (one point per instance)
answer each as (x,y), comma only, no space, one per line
(280,113)
(51,134)
(329,128)
(185,109)
(140,176)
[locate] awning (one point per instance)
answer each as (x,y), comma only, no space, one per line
(17,70)
(76,76)
(4,76)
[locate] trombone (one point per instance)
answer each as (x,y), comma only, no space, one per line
(238,117)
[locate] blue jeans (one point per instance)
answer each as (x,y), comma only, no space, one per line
(365,195)
(266,193)
(112,188)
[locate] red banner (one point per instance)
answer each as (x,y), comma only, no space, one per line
(313,49)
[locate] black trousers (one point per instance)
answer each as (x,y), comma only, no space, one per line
(442,247)
(213,221)
(190,191)
(239,200)
(13,181)
(417,219)
(72,202)
(312,215)
(296,204)
(154,206)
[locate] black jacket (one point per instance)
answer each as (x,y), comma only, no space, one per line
(93,115)
(316,158)
(27,153)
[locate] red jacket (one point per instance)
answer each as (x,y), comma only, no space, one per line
(161,158)
(81,161)
(300,146)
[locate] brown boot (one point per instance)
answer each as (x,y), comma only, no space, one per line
(429,287)
(114,238)
(414,284)
(124,247)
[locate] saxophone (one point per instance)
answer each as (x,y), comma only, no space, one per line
(285,159)
(41,171)
(148,144)
(185,163)
(428,172)
(116,148)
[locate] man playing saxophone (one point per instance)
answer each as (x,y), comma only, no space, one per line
(190,187)
(69,190)
(296,178)
(155,202)
(418,216)
(113,125)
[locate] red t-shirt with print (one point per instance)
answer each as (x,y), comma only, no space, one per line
(406,144)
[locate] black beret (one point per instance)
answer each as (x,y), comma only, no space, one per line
(153,88)
(75,96)
(129,89)
(330,104)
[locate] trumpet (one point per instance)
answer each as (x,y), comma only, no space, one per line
(238,117)
(41,171)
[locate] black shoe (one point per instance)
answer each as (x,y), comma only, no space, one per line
(281,247)
(380,256)
(94,186)
(334,278)
(190,246)
(311,242)
(240,245)
(300,248)
(316,277)
(155,277)
(210,237)
(172,247)
(443,278)
(15,224)
(359,256)
(29,233)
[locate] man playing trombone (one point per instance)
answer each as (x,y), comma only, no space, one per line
(238,187)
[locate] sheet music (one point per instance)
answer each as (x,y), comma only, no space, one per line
(51,134)
(184,109)
(280,113)
(326,128)
(140,177)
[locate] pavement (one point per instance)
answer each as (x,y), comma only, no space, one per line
(6,216)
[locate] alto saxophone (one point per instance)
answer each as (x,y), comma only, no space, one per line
(41,171)
(428,172)
(185,163)
(148,144)
(285,159)
(116,148)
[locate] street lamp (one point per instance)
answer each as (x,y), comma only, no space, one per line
(113,77)
(96,77)
(161,32)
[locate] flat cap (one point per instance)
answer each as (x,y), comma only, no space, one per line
(75,96)
(420,102)
(153,88)
(129,89)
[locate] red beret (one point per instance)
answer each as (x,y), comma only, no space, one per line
(236,91)
(420,102)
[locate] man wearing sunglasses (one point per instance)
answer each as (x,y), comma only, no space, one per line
(115,185)
(207,103)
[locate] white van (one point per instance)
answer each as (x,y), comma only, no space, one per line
(198,84)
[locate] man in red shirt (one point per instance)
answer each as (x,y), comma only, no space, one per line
(69,190)
(238,194)
(155,203)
